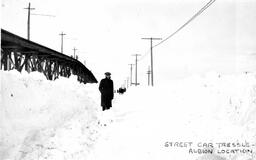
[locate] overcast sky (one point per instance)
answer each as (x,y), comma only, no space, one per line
(107,33)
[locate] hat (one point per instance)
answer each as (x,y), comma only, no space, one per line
(107,73)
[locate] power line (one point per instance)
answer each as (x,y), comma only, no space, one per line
(181,27)
(190,20)
(29,14)
(47,15)
(143,56)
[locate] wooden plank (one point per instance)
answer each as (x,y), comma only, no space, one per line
(13,47)
(50,71)
(40,65)
(26,63)
(33,62)
(6,63)
(16,60)
(22,65)
(56,70)
(9,60)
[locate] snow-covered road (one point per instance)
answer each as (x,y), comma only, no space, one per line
(146,121)
(180,120)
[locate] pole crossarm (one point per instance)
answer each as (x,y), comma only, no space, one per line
(151,38)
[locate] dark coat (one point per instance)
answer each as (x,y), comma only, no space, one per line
(106,88)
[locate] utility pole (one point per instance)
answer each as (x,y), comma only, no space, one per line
(74,49)
(28,25)
(131,73)
(1,61)
(148,73)
(136,67)
(124,84)
(151,51)
(127,82)
(62,34)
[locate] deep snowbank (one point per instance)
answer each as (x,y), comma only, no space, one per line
(208,109)
(206,102)
(43,119)
(61,119)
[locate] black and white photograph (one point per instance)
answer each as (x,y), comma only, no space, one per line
(128,80)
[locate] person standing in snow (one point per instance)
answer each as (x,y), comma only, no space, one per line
(106,88)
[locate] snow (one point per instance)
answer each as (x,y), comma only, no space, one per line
(41,118)
(62,119)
